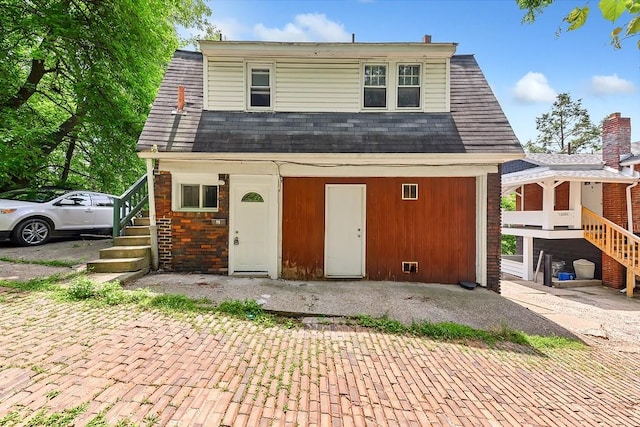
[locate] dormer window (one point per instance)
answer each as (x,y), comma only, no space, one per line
(375,86)
(260,87)
(408,86)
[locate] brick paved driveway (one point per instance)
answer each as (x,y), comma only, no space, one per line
(149,368)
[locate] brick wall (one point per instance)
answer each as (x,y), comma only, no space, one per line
(562,197)
(494,248)
(189,241)
(614,208)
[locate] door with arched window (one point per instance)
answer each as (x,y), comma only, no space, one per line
(250,228)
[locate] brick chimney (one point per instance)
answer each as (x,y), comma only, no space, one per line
(616,139)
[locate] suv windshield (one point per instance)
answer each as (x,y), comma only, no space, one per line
(41,195)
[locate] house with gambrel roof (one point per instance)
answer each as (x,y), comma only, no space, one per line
(328,161)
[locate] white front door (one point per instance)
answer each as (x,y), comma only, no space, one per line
(250,228)
(344,230)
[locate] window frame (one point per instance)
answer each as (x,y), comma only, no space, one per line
(364,85)
(409,186)
(398,85)
(251,66)
(194,179)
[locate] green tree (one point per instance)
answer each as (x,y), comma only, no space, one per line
(78,78)
(566,129)
(615,11)
(508,242)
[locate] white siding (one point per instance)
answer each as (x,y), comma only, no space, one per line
(226,85)
(317,86)
(309,85)
(435,86)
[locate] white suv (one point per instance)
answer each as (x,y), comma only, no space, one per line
(31,216)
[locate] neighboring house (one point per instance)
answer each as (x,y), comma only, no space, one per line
(552,189)
(328,160)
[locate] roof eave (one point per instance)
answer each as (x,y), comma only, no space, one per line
(358,50)
(350,158)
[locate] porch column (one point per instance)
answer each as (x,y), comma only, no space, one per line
(548,198)
(575,203)
(527,258)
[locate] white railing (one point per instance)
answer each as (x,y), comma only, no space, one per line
(537,218)
(513,265)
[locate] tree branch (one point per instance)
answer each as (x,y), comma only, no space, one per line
(30,85)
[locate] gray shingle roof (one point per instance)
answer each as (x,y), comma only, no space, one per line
(476,122)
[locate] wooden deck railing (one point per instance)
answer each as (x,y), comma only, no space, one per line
(615,241)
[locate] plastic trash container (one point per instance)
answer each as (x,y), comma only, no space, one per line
(584,269)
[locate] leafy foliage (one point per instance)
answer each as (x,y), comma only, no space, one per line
(566,129)
(508,242)
(78,79)
(611,10)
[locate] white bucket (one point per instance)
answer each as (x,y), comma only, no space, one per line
(584,269)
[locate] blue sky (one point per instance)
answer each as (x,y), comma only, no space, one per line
(526,65)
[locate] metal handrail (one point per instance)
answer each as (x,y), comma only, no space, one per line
(129,204)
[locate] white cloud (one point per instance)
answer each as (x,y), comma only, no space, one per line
(231,28)
(607,85)
(305,27)
(534,87)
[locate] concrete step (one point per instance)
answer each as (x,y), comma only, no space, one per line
(125,252)
(136,230)
(141,221)
(132,241)
(117,265)
(126,277)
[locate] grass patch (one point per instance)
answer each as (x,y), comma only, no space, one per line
(448,331)
(110,293)
(64,418)
(175,302)
(50,263)
(246,308)
(38,284)
(550,343)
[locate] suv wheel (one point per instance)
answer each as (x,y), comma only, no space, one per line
(32,232)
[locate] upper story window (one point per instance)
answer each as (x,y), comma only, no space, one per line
(375,86)
(408,86)
(260,87)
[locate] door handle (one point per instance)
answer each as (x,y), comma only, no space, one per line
(236,241)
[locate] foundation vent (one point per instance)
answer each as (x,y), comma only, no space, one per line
(409,267)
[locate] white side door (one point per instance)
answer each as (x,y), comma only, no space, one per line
(345,230)
(250,228)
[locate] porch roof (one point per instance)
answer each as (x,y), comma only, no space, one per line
(530,176)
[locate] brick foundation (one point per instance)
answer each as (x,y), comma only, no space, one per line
(189,241)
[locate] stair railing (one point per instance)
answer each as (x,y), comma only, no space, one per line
(615,241)
(129,204)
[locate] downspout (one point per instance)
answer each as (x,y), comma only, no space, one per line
(630,207)
(153,228)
